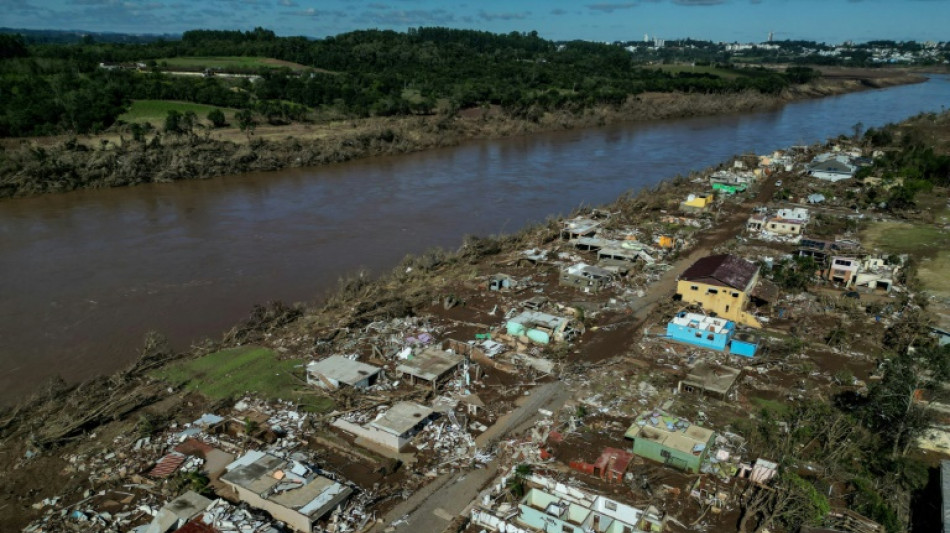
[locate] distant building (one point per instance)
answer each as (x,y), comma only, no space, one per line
(832,167)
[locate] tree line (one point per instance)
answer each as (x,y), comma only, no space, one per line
(49,87)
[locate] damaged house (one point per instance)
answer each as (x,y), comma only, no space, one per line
(432,365)
(712,333)
(586,277)
(783,222)
(707,378)
(392,429)
(541,328)
(722,285)
(337,371)
(287,490)
(555,507)
(576,228)
(670,440)
(832,167)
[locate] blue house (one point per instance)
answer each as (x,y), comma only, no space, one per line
(709,332)
(744,344)
(701,330)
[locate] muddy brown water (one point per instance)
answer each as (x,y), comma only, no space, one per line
(84,275)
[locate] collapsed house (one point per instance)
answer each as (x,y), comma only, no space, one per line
(392,429)
(820,249)
(337,371)
(541,328)
(432,365)
(288,490)
(586,277)
(723,285)
(176,513)
(670,440)
(552,506)
(706,378)
(578,227)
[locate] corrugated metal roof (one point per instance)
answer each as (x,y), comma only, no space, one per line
(167,465)
(724,270)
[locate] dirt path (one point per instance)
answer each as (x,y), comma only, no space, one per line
(617,335)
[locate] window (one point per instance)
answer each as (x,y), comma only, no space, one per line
(710,337)
(610,506)
(699,335)
(712,291)
(567,529)
(727,308)
(694,288)
(735,295)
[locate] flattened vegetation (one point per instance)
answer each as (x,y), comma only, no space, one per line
(231,373)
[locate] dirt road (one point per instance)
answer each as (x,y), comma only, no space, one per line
(432,508)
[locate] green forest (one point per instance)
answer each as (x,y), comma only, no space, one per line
(83,87)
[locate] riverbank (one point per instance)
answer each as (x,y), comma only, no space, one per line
(49,165)
(56,444)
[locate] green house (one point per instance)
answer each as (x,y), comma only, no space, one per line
(729,188)
(670,440)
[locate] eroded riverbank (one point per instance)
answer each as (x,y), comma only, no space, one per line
(86,274)
(44,166)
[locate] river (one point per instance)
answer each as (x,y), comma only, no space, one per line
(84,275)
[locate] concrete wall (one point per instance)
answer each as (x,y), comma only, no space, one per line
(723,303)
(742,348)
(698,337)
(653,450)
(372,434)
(293,519)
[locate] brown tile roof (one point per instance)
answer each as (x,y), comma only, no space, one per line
(722,270)
(196,526)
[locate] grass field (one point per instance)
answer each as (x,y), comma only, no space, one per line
(676,69)
(154,111)
(231,373)
(922,240)
(227,62)
(927,243)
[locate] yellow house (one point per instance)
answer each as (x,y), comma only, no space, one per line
(721,284)
(697,202)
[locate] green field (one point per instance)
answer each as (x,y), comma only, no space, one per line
(927,243)
(226,63)
(677,69)
(154,111)
(231,373)
(905,238)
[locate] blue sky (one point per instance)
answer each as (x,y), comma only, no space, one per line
(831,21)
